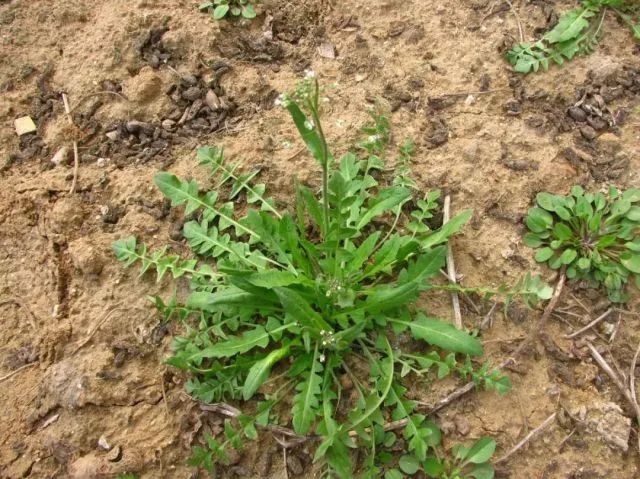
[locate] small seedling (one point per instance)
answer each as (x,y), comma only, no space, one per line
(595,237)
(223,8)
(289,306)
(577,32)
(463,463)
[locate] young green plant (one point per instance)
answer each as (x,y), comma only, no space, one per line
(289,306)
(593,237)
(577,32)
(220,9)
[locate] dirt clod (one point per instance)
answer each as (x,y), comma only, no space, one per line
(86,257)
(607,422)
(143,88)
(588,132)
(578,114)
(295,465)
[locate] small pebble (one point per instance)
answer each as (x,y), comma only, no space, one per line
(192,94)
(113,135)
(24,125)
(295,465)
(168,124)
(102,442)
(462,425)
(577,113)
(588,133)
(189,80)
(115,454)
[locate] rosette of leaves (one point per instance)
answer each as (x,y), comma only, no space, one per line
(577,32)
(223,8)
(285,306)
(596,237)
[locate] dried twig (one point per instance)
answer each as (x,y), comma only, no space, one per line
(67,110)
(607,369)
(461,391)
(465,297)
(230,411)
(632,387)
(284,460)
(164,394)
(488,319)
(580,303)
(294,439)
(221,408)
(467,93)
(527,438)
(16,371)
(533,334)
(98,93)
(294,154)
(629,393)
(518,22)
(451,267)
(590,325)
(566,438)
(624,390)
(632,376)
(615,330)
(97,327)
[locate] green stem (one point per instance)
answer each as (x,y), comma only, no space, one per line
(325,168)
(386,387)
(391,230)
(173,268)
(627,19)
(247,187)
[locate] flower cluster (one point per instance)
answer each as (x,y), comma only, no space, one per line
(283,100)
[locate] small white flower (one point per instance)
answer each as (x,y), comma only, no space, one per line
(322,358)
(309,74)
(374,138)
(308,124)
(282,100)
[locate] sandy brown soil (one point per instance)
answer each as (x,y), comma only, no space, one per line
(89,343)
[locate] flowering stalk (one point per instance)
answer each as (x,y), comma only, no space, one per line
(324,161)
(307,95)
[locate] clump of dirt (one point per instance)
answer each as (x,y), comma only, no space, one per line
(258,49)
(591,112)
(198,105)
(42,106)
(604,159)
(150,48)
(291,25)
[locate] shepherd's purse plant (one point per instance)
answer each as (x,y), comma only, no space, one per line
(220,9)
(577,32)
(313,312)
(594,237)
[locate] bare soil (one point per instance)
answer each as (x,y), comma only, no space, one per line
(137,75)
